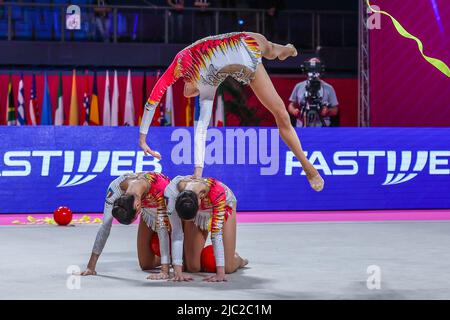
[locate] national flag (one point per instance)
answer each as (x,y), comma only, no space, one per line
(220,110)
(21,120)
(46,113)
(73,114)
(107,103)
(115,102)
(144,96)
(94,115)
(10,108)
(32,106)
(169,116)
(159,111)
(59,113)
(128,119)
(86,100)
(196,110)
(188,113)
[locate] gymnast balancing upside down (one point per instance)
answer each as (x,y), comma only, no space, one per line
(185,196)
(207,63)
(127,197)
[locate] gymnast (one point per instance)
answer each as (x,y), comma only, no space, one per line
(197,206)
(127,197)
(209,61)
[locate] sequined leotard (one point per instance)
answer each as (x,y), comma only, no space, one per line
(216,207)
(205,64)
(154,211)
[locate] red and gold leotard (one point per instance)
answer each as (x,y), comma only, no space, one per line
(216,200)
(154,210)
(216,205)
(205,64)
(154,198)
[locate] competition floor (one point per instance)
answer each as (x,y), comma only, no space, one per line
(317,257)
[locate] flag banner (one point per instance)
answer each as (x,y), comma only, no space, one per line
(169,116)
(94,114)
(32,106)
(86,106)
(10,107)
(363,168)
(144,96)
(59,114)
(107,103)
(73,116)
(115,102)
(157,119)
(188,112)
(196,110)
(219,117)
(46,110)
(21,119)
(128,118)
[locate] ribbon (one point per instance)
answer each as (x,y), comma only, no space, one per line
(438,64)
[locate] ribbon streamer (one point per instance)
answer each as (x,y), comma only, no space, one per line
(438,64)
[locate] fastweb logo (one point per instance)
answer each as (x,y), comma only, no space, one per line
(78,167)
(406,170)
(74,168)
(402,166)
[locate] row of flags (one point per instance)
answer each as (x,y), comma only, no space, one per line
(110,115)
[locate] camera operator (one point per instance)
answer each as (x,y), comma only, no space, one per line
(313,101)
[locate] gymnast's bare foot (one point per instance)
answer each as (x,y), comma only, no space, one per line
(317,183)
(244,262)
(290,52)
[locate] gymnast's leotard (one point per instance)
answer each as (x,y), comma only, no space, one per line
(207,63)
(154,211)
(216,207)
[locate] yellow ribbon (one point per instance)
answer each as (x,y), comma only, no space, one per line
(439,64)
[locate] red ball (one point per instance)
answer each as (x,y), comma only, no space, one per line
(62,216)
(208,260)
(154,244)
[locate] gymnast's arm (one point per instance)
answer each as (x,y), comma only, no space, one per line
(167,79)
(149,112)
(170,194)
(100,240)
(218,220)
(162,230)
(206,107)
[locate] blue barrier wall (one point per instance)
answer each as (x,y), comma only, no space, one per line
(45,167)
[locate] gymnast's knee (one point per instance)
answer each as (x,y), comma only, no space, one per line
(282,118)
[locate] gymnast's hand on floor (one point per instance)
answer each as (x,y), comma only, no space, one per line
(159,276)
(88,272)
(216,278)
(144,146)
(180,277)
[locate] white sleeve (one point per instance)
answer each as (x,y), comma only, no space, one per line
(219,253)
(105,229)
(206,107)
(170,194)
(113,193)
(149,112)
(177,239)
(164,245)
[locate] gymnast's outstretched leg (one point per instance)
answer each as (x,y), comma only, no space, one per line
(272,51)
(266,93)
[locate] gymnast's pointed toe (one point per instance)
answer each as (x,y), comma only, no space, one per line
(317,183)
